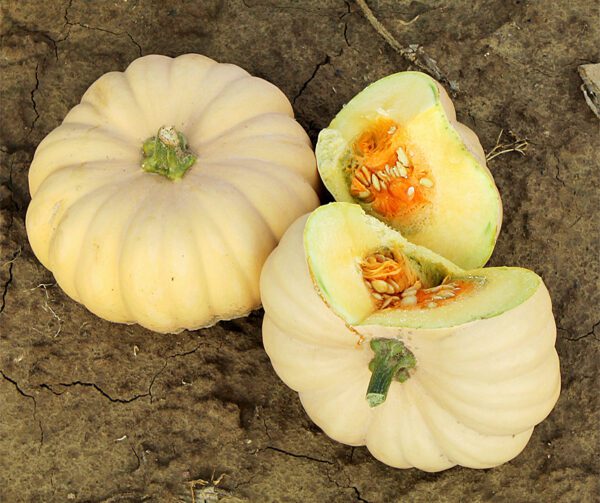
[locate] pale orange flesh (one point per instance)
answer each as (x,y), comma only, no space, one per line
(394,285)
(401,184)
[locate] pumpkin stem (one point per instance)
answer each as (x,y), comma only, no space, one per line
(167,153)
(392,361)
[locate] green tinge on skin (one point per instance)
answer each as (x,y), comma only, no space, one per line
(392,362)
(167,154)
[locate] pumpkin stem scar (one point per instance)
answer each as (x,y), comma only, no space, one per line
(392,361)
(167,153)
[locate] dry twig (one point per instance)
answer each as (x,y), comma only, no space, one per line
(208,493)
(516,145)
(414,53)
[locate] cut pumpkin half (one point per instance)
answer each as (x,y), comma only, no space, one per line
(368,274)
(397,150)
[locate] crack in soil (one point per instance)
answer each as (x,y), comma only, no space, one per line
(348,487)
(20,29)
(185,353)
(154,377)
(583,336)
(357,493)
(139,462)
(300,456)
(347,13)
(69,24)
(12,210)
(8,282)
(96,387)
(50,388)
(33,102)
(26,395)
(326,61)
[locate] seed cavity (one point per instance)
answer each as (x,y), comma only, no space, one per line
(383,173)
(389,277)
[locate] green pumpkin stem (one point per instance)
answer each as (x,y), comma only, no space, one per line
(167,153)
(392,361)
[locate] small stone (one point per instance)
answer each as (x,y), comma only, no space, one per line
(590,74)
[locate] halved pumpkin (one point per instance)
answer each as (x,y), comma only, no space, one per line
(397,150)
(394,347)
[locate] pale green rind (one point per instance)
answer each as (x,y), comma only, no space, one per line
(420,90)
(503,289)
(337,237)
(464,234)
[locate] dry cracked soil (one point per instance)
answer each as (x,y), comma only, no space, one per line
(91,411)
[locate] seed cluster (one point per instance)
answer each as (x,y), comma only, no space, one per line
(393,285)
(372,182)
(389,296)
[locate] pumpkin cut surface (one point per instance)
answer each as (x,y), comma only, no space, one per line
(397,150)
(369,274)
(394,347)
(160,196)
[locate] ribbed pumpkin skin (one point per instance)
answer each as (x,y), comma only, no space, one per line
(473,400)
(136,247)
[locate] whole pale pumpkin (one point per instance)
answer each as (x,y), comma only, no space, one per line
(456,369)
(162,193)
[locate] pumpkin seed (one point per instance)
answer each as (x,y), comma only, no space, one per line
(362,179)
(387,302)
(379,285)
(375,182)
(409,301)
(402,157)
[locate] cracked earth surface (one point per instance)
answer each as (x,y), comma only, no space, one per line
(91,411)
